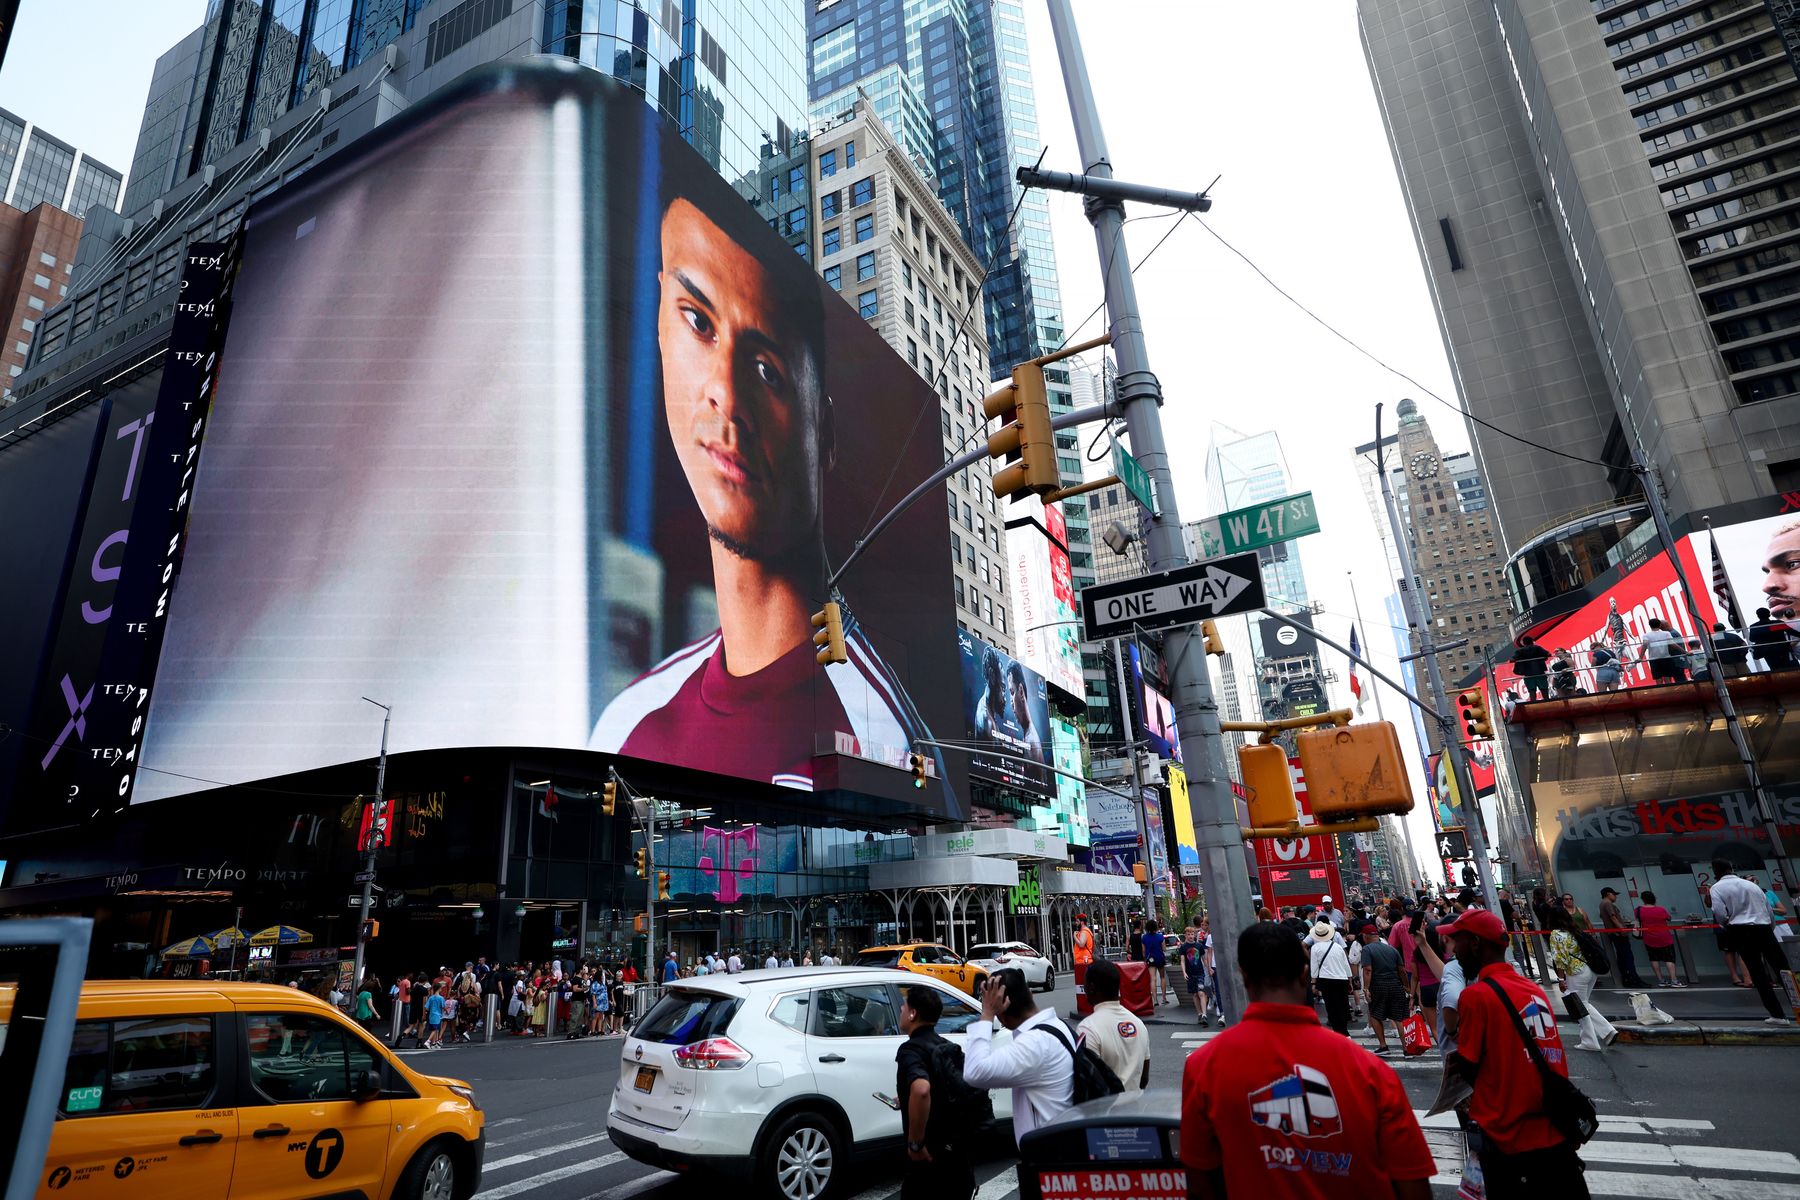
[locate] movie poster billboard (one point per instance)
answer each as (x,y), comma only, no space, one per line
(533,429)
(1069,807)
(1043,593)
(1155,709)
(1181,812)
(1007,715)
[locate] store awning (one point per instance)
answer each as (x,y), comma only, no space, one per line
(992,843)
(1088,883)
(962,871)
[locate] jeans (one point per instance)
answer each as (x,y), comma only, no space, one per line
(1622,960)
(1337,1003)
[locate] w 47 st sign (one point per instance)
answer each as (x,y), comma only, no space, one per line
(1259,525)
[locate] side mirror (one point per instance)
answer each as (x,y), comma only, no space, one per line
(368,1085)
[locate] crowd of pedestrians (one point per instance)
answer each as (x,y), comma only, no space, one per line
(1546,672)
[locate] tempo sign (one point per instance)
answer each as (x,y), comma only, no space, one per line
(1216,588)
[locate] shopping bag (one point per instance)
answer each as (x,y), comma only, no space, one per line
(1415,1035)
(1646,1011)
(1471,1187)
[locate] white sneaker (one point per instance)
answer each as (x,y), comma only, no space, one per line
(1776,1021)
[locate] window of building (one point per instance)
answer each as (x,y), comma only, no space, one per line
(865,266)
(959,591)
(42,281)
(865,227)
(832,241)
(828,164)
(861,192)
(909,312)
(48,259)
(912,359)
(850,153)
(796,180)
(968,516)
(834,277)
(796,222)
(34,303)
(774,188)
(867,304)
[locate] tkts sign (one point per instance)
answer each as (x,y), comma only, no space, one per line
(1734,812)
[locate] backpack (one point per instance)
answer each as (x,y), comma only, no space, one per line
(967,1109)
(1600,656)
(1592,952)
(1093,1078)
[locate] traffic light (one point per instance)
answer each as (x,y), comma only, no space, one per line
(662,885)
(642,861)
(609,798)
(1024,406)
(1138,874)
(371,930)
(1270,784)
(1473,705)
(1209,633)
(918,770)
(829,622)
(1354,771)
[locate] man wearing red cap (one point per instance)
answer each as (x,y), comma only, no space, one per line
(1522,1154)
(1280,1106)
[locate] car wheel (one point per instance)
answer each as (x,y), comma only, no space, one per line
(1049,979)
(805,1158)
(433,1174)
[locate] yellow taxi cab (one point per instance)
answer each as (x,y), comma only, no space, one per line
(927,958)
(195,1090)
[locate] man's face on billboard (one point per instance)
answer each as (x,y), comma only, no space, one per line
(1781,574)
(740,389)
(1021,700)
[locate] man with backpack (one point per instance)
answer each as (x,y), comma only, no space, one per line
(1039,1065)
(1278,1105)
(938,1110)
(1114,1031)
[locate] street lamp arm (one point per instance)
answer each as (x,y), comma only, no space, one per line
(1345,650)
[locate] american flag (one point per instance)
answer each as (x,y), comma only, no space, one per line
(1356,688)
(1721,586)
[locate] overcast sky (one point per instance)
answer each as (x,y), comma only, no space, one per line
(1187,91)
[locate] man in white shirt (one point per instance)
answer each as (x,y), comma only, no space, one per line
(734,964)
(1039,1065)
(825,959)
(771,963)
(1114,1031)
(1749,929)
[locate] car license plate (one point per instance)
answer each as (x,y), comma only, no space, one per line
(646,1079)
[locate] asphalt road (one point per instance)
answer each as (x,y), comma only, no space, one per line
(1677,1121)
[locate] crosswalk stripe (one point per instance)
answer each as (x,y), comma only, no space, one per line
(1608,1124)
(549,1177)
(1668,1187)
(631,1188)
(500,1164)
(1713,1158)
(504,1122)
(884,1191)
(999,1186)
(520,1135)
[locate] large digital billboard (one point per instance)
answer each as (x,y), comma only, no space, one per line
(532,429)
(1043,594)
(1007,714)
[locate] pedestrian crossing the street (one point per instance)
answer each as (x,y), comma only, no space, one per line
(1633,1155)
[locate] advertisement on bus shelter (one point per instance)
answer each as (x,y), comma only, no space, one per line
(532,429)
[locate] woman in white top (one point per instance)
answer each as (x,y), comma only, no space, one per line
(1331,974)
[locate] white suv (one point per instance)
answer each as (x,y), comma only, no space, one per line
(780,1076)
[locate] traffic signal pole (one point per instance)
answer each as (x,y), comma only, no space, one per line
(378,819)
(1418,616)
(1225,878)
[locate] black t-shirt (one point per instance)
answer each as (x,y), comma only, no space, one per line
(1135,945)
(1530,660)
(914,1061)
(1771,641)
(416,999)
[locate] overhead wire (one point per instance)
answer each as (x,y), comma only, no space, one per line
(1390,368)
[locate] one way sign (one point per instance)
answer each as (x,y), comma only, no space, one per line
(1215,588)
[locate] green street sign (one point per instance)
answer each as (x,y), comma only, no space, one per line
(1135,478)
(1259,525)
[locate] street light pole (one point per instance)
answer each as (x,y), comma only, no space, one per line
(1418,616)
(377,827)
(1224,876)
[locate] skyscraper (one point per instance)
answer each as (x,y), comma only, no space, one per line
(36,168)
(1599,196)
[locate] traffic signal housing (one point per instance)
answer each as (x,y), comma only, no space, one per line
(918,770)
(1209,634)
(609,798)
(1472,705)
(1270,785)
(662,885)
(829,638)
(642,862)
(1024,406)
(1354,771)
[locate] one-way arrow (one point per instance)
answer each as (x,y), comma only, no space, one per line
(1215,588)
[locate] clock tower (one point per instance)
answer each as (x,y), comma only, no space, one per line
(1444,508)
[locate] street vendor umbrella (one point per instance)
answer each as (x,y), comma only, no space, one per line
(231,935)
(194,947)
(279,935)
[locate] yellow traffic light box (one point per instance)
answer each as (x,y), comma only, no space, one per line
(1354,771)
(1270,785)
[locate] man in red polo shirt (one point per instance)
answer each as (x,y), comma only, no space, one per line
(1280,1106)
(1522,1154)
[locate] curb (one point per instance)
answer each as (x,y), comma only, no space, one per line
(1688,1033)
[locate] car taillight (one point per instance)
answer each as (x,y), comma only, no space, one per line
(712,1054)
